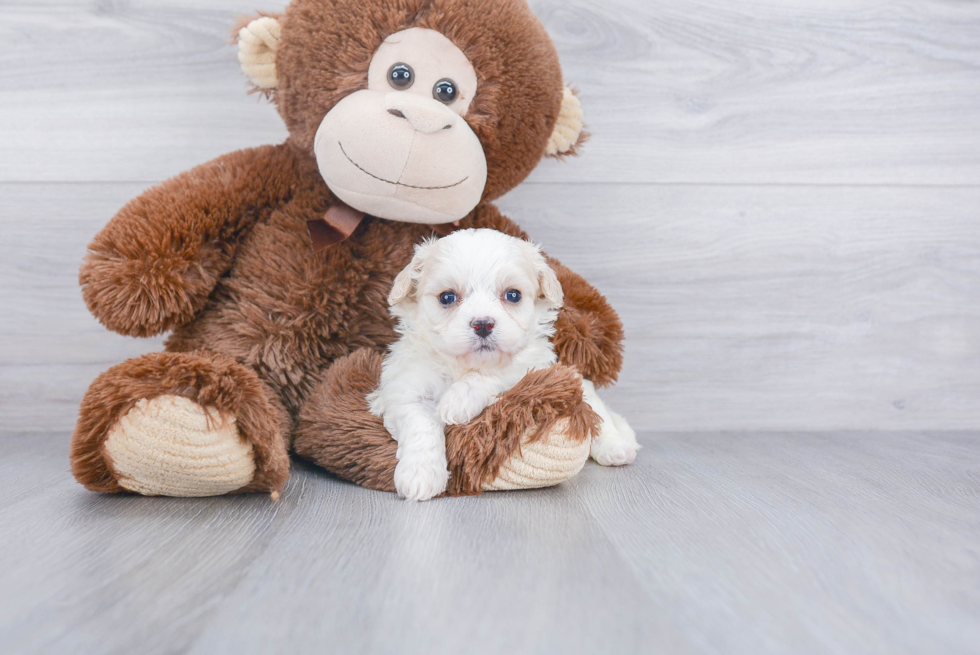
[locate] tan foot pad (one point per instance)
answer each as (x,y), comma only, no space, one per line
(542,463)
(171,446)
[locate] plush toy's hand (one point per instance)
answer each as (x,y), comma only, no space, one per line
(143,296)
(588,332)
(154,265)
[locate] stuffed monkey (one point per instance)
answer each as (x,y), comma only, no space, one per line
(270,267)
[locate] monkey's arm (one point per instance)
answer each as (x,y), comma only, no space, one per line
(588,332)
(153,266)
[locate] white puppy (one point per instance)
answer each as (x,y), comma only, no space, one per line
(475,311)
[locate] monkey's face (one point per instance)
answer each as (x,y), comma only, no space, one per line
(384,95)
(400,149)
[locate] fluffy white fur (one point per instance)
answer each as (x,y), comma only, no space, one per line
(442,371)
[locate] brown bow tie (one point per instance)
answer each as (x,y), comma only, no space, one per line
(341,220)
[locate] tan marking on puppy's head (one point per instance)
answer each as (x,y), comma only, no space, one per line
(406,282)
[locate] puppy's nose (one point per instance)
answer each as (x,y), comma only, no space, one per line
(482,326)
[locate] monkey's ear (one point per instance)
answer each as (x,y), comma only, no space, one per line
(257,45)
(569,133)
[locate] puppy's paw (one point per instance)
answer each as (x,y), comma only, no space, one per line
(421,477)
(625,431)
(613,452)
(615,445)
(460,404)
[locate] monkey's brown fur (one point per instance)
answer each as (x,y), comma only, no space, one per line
(287,340)
(210,381)
(336,415)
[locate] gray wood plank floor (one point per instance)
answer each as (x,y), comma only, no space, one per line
(782,199)
(710,543)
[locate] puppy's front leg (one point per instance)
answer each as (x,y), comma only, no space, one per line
(467,397)
(616,444)
(422,472)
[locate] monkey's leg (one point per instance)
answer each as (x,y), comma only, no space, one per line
(180,424)
(536,435)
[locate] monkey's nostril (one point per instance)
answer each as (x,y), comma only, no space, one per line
(395,112)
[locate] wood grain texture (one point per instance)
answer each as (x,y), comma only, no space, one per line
(856,92)
(711,543)
(780,308)
(823,543)
(746,308)
(780,198)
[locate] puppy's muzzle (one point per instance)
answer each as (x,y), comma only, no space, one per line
(482,326)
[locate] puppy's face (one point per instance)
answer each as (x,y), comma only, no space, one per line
(479,296)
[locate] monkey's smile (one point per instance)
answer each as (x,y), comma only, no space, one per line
(411,186)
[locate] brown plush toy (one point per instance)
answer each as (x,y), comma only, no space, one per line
(271,266)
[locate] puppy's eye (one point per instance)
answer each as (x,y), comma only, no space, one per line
(445,91)
(512,295)
(447,298)
(401,76)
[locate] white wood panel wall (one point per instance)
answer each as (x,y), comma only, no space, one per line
(782,199)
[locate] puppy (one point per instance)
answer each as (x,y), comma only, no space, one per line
(475,311)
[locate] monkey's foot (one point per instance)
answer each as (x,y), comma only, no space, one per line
(542,463)
(537,434)
(171,446)
(180,424)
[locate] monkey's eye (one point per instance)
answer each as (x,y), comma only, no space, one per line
(447,298)
(445,91)
(512,295)
(401,76)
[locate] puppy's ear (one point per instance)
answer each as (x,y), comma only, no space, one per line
(547,279)
(406,282)
(550,286)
